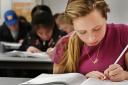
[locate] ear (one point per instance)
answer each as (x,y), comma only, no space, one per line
(126,59)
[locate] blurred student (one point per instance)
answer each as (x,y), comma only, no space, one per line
(44,33)
(40,7)
(45,8)
(13,30)
(55,16)
(24,20)
(64,23)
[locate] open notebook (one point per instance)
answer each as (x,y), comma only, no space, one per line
(27,54)
(69,79)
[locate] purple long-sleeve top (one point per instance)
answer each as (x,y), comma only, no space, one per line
(115,40)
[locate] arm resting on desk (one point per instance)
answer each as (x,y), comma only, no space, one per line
(56,69)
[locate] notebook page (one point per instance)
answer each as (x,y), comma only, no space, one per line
(93,81)
(68,79)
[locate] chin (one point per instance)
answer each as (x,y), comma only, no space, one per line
(46,39)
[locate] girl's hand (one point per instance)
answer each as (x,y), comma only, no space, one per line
(50,52)
(21,41)
(32,49)
(96,74)
(116,73)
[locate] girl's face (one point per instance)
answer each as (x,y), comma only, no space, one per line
(14,27)
(44,33)
(66,27)
(91,28)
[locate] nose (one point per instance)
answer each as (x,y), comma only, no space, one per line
(91,39)
(45,36)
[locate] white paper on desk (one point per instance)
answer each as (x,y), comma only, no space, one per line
(11,45)
(93,81)
(27,54)
(69,79)
(56,79)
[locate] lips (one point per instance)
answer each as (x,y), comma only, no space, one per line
(93,44)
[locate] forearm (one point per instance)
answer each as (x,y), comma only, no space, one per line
(57,69)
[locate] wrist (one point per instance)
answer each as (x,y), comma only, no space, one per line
(126,74)
(87,76)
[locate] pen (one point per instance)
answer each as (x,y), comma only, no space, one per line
(117,60)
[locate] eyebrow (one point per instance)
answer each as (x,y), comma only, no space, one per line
(97,26)
(92,28)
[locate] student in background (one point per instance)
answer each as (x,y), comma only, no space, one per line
(40,7)
(44,33)
(94,45)
(24,20)
(13,30)
(64,23)
(45,8)
(55,16)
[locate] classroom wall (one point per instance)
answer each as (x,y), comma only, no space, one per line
(7,4)
(118,14)
(57,6)
(4,6)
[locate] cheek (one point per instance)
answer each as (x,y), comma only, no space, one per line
(45,36)
(49,33)
(98,37)
(102,34)
(82,37)
(39,35)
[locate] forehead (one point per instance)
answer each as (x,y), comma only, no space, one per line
(43,29)
(89,21)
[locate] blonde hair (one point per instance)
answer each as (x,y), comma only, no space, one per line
(64,19)
(73,53)
(75,9)
(78,8)
(70,59)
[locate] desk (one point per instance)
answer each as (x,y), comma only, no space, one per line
(12,81)
(8,46)
(27,63)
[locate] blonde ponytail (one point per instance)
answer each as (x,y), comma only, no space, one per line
(72,53)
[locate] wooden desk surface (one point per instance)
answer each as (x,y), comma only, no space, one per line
(12,81)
